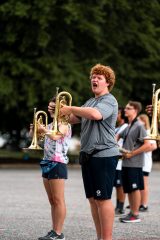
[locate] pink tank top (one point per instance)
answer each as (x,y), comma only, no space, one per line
(57,150)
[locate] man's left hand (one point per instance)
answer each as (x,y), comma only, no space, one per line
(127,155)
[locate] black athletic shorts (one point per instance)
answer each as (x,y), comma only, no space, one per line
(98,177)
(132,179)
(58,172)
(118,179)
(146,174)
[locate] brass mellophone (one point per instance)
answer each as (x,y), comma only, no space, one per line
(37,120)
(62,99)
(154,133)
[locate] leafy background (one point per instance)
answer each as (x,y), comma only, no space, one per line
(45,44)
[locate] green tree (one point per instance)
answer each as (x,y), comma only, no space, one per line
(131,37)
(52,43)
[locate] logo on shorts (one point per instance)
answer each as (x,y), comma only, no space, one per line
(118,181)
(134,185)
(98,192)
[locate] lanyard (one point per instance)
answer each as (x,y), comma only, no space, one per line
(124,140)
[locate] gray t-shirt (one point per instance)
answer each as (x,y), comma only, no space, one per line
(100,135)
(134,140)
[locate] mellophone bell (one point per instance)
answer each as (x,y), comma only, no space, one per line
(154,133)
(62,99)
(41,118)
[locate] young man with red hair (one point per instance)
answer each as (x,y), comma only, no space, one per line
(99,149)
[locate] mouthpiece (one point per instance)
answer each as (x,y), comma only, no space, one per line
(154,87)
(57,89)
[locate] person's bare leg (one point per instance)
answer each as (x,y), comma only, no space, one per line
(57,190)
(144,193)
(134,200)
(106,216)
(120,194)
(49,194)
(120,197)
(95,216)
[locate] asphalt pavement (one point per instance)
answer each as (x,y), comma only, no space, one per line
(25,212)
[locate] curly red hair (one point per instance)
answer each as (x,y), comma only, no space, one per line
(107,72)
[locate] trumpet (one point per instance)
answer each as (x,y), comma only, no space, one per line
(154,133)
(37,120)
(62,99)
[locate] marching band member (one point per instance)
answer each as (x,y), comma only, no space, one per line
(135,145)
(99,149)
(54,172)
(144,119)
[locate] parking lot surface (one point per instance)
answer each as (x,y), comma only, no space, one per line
(25,213)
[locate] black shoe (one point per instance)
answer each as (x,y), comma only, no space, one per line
(130,218)
(119,212)
(53,236)
(143,208)
(48,234)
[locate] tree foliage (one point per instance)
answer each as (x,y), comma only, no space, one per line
(51,43)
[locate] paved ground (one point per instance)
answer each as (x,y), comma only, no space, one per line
(25,214)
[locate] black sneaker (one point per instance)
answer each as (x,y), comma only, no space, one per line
(130,218)
(143,208)
(53,236)
(128,207)
(48,234)
(119,212)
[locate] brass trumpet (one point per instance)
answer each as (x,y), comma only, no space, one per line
(62,99)
(155,134)
(37,120)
